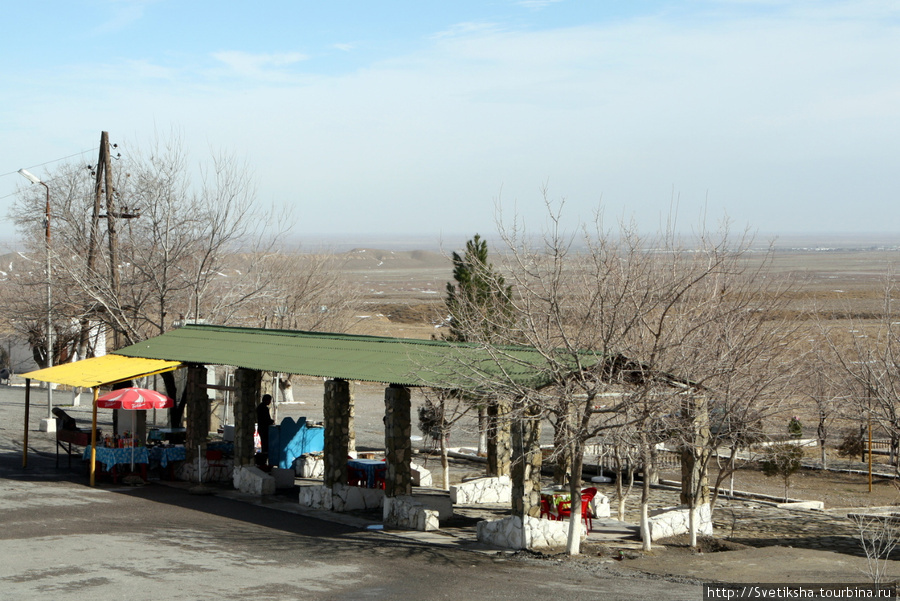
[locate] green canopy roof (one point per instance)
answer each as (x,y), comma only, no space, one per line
(402,361)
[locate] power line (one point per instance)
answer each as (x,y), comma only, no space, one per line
(48,162)
(82,153)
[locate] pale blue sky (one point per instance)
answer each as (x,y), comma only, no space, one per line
(413,117)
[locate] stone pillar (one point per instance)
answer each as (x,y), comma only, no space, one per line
(499,442)
(338,409)
(397,443)
(196,410)
(526,465)
(694,480)
(246,398)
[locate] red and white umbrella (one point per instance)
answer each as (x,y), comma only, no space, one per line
(134,399)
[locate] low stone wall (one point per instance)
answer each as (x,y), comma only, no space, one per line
(600,506)
(537,533)
(341,497)
(811,505)
(419,475)
(309,466)
(316,497)
(253,481)
(406,512)
(676,520)
(188,471)
(482,490)
(435,499)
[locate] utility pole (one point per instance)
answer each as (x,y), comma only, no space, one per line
(84,336)
(113,239)
(104,185)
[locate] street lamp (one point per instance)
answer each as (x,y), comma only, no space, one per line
(34,180)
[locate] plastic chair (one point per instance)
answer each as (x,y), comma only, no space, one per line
(380,477)
(565,512)
(356,477)
(216,467)
(546,510)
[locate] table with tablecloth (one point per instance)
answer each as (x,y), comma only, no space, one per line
(555,497)
(370,467)
(163,455)
(112,457)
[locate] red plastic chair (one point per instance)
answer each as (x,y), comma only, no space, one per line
(216,468)
(356,477)
(565,512)
(546,510)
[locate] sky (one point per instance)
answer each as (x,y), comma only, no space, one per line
(422,118)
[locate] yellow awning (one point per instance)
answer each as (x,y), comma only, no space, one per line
(98,371)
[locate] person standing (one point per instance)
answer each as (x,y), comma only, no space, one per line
(263,421)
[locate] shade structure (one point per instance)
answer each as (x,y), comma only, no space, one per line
(134,399)
(98,371)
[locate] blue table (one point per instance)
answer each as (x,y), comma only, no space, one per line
(113,457)
(163,455)
(371,467)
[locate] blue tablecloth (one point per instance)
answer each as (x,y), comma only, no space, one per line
(370,467)
(163,455)
(112,457)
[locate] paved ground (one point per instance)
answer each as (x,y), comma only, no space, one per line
(65,540)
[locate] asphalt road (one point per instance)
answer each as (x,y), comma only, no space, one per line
(61,539)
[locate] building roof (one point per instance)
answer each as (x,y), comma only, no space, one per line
(98,371)
(402,361)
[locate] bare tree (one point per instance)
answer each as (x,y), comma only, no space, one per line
(303,291)
(866,352)
(878,535)
(175,242)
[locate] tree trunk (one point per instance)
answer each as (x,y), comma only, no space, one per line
(692,522)
(822,435)
(573,544)
(445,462)
(562,471)
(647,544)
(286,386)
(482,430)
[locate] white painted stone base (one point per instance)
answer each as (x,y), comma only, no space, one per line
(48,424)
(538,533)
(253,481)
(482,490)
(341,497)
(315,497)
(309,466)
(436,500)
(600,506)
(419,475)
(188,471)
(407,512)
(675,520)
(813,505)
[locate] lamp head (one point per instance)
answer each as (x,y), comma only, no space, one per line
(31,177)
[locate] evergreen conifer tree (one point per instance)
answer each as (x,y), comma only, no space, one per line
(479,302)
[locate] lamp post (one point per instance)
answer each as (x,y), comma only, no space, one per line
(50,420)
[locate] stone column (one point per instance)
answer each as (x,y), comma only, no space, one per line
(196,410)
(338,409)
(694,481)
(397,443)
(499,443)
(246,398)
(526,465)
